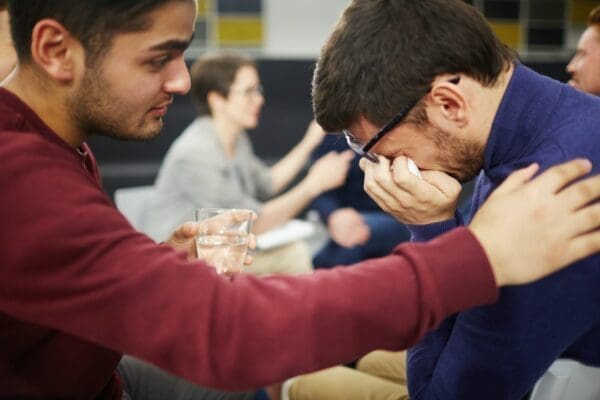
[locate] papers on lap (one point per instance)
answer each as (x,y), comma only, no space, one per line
(291,231)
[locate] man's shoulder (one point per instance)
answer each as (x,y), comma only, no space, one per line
(29,151)
(577,107)
(26,143)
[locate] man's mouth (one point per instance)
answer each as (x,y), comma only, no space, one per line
(161,109)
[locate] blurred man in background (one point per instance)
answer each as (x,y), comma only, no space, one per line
(585,65)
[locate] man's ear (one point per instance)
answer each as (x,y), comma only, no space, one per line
(449,101)
(55,50)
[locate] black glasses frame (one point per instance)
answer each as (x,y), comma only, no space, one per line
(363,150)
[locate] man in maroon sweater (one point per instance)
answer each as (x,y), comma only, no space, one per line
(80,286)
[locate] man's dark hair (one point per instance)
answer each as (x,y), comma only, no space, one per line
(3,4)
(384,54)
(594,16)
(93,22)
(215,73)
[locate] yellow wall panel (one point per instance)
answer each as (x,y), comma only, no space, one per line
(508,32)
(202,8)
(580,10)
(239,30)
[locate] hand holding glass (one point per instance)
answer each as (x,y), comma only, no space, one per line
(222,239)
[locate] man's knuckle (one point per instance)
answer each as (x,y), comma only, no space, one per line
(586,191)
(593,213)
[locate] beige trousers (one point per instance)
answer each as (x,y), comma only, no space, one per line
(291,259)
(380,375)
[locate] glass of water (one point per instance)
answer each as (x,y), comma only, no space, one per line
(222,239)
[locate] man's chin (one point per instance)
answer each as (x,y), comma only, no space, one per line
(148,135)
(463,176)
(150,131)
(141,135)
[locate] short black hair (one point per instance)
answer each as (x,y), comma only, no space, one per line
(594,17)
(93,22)
(3,4)
(384,54)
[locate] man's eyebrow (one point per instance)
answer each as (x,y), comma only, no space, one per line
(174,44)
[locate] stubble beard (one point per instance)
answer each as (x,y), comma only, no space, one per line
(97,111)
(462,158)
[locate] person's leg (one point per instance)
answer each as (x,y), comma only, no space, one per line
(292,259)
(342,383)
(332,254)
(143,381)
(386,233)
(390,365)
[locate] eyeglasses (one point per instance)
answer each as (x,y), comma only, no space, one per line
(257,90)
(363,150)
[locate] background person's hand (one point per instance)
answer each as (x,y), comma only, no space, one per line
(347,227)
(314,134)
(531,229)
(330,171)
(408,198)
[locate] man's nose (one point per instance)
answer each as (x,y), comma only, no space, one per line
(179,81)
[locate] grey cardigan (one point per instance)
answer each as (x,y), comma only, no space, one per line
(197,173)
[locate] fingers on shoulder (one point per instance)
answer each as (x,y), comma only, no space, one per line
(581,193)
(559,176)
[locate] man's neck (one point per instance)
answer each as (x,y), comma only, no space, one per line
(487,103)
(47,102)
(228,133)
(493,97)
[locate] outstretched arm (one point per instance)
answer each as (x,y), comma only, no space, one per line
(202,326)
(286,169)
(327,172)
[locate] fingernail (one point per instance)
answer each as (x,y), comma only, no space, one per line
(584,162)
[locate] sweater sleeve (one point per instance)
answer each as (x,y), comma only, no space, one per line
(423,233)
(73,264)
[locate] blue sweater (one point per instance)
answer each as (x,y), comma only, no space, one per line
(499,351)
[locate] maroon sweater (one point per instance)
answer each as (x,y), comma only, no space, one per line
(79,287)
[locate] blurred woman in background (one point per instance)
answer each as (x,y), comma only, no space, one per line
(212,163)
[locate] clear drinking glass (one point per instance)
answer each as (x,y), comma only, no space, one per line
(222,239)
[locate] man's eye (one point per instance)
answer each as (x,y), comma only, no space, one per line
(160,62)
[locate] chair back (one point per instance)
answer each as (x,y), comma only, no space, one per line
(568,380)
(131,201)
